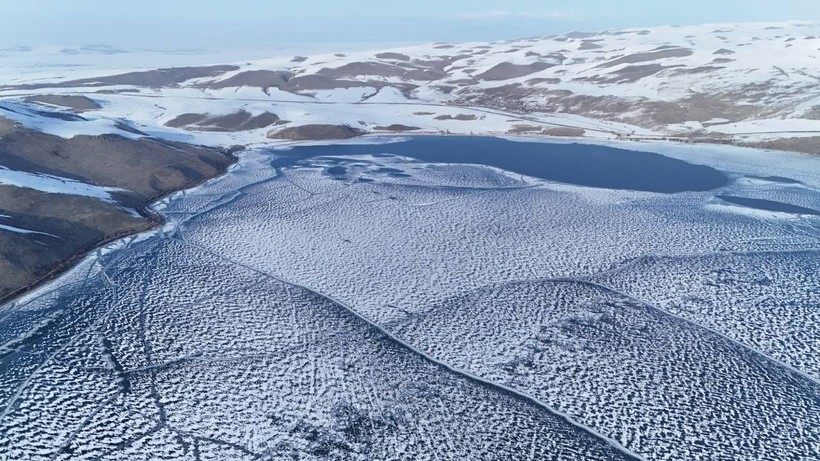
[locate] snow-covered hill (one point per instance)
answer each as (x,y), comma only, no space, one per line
(722,83)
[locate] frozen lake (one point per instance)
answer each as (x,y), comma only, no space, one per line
(439,298)
(580,164)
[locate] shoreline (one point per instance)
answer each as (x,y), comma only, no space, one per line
(155,220)
(535,137)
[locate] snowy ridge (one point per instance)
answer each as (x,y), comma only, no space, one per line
(721,82)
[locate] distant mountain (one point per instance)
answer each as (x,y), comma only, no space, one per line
(744,83)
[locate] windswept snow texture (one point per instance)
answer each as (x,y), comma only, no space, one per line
(346,303)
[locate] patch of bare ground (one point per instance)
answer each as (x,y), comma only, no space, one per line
(547,131)
(393,56)
(7,126)
(125,126)
(381,69)
(304,84)
(702,107)
(589,45)
(514,91)
(628,74)
(316,133)
(460,117)
(580,35)
(237,121)
(396,127)
(807,145)
(118,91)
(68,226)
(72,102)
(695,70)
(638,111)
(463,82)
(264,79)
(166,77)
(697,107)
(564,131)
(143,167)
(648,56)
(445,89)
(508,70)
(813,113)
(539,81)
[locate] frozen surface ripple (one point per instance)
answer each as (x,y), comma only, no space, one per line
(380,307)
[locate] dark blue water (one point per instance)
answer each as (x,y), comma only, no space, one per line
(580,164)
(768,205)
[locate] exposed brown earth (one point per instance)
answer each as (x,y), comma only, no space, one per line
(381,69)
(548,80)
(393,56)
(396,127)
(305,84)
(144,167)
(460,117)
(649,56)
(77,223)
(547,131)
(628,74)
(125,126)
(74,103)
(317,133)
(696,70)
(151,78)
(506,70)
(807,145)
(462,81)
(255,78)
(525,129)
(564,131)
(7,126)
(68,226)
(589,45)
(813,113)
(237,121)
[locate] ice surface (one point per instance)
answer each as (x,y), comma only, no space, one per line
(379,307)
(250,367)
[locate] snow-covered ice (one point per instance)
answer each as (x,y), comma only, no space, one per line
(379,307)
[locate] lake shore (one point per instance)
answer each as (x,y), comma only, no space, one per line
(152,221)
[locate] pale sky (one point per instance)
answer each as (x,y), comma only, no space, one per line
(170,24)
